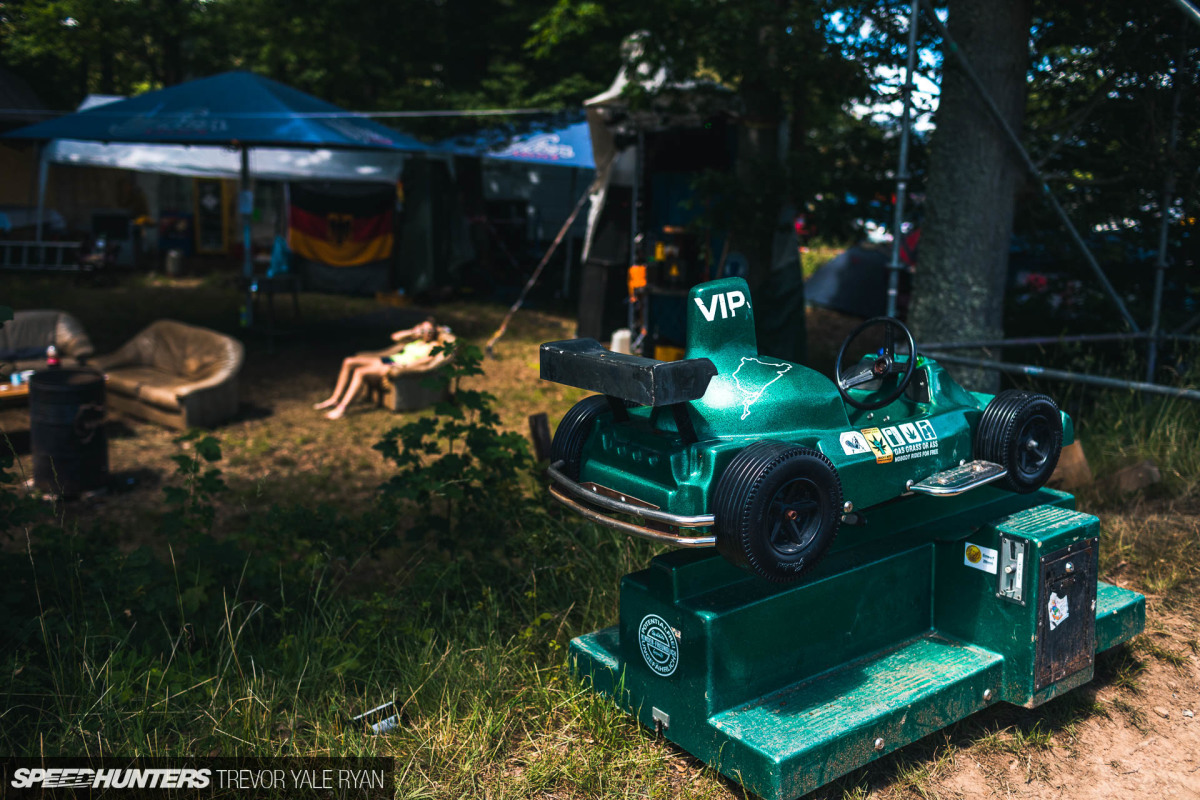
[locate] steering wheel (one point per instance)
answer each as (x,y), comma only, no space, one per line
(881,366)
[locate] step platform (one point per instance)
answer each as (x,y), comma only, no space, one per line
(902,630)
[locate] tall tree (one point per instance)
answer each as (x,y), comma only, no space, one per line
(973,178)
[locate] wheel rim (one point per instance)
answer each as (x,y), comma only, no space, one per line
(795,516)
(1034,446)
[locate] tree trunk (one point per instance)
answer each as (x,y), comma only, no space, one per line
(757,172)
(958,293)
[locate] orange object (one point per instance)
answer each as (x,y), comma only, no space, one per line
(637,279)
(666,352)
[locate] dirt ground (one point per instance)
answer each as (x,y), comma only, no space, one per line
(1133,732)
(1136,744)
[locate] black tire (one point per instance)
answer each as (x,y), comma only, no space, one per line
(757,490)
(1022,432)
(573,432)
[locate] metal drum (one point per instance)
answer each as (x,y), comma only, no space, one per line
(66,431)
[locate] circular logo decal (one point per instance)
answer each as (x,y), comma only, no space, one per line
(973,554)
(659,648)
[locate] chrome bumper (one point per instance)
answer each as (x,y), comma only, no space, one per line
(597,507)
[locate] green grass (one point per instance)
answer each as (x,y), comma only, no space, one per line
(1125,428)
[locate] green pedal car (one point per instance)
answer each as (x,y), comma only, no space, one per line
(766,459)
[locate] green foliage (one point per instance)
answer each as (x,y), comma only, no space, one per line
(191,510)
(457,469)
(356,53)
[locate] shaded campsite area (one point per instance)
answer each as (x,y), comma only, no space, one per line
(277,448)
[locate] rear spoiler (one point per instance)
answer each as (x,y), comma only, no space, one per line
(586,364)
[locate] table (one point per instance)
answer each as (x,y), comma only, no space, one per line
(269,286)
(12,393)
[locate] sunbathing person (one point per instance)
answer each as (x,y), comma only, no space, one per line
(416,354)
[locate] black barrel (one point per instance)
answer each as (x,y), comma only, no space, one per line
(66,431)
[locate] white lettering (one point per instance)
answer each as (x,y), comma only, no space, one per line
(22,778)
(360,779)
(709,313)
(736,301)
(728,302)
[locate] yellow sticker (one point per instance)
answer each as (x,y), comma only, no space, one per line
(879,445)
(974,554)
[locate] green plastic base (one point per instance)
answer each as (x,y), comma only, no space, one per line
(891,638)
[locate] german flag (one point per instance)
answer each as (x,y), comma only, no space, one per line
(341,229)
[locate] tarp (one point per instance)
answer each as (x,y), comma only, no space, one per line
(234,109)
(341,228)
(209,161)
(267,163)
(569,146)
(674,104)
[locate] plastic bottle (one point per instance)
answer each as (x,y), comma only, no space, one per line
(52,357)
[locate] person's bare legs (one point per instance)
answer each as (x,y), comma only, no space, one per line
(356,381)
(348,366)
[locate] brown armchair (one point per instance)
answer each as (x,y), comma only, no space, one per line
(175,374)
(24,339)
(402,388)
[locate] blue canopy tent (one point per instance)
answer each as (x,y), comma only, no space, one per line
(545,142)
(570,146)
(237,110)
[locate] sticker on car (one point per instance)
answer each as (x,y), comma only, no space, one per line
(853,443)
(980,557)
(746,384)
(1059,610)
(879,445)
(659,646)
(909,441)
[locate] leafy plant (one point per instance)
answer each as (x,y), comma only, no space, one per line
(190,506)
(457,468)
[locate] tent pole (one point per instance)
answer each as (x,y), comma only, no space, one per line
(245,207)
(43,176)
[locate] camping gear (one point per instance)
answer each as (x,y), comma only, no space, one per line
(849,282)
(569,146)
(66,431)
(536,273)
(235,110)
(406,389)
(178,375)
(24,340)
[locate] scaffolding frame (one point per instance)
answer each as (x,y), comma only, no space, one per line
(1154,337)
